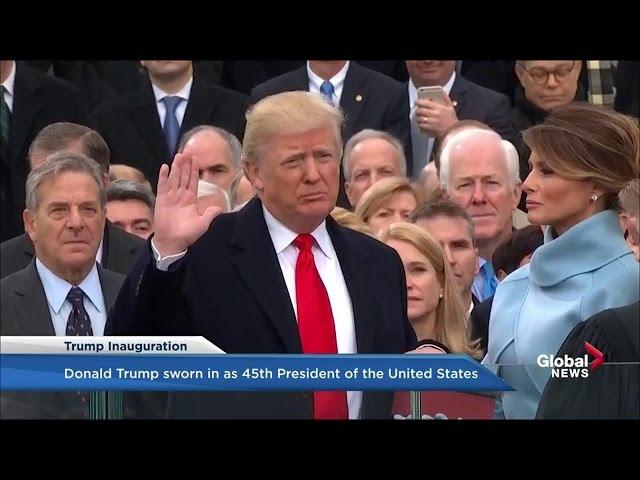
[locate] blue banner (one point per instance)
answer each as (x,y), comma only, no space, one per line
(246,372)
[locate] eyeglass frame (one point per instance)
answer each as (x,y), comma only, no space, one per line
(548,73)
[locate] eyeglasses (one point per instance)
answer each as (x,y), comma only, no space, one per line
(541,75)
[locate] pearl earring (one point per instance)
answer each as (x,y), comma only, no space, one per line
(594,198)
(441,295)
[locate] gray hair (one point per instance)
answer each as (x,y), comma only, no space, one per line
(233,143)
(206,189)
(56,164)
(511,158)
(58,136)
(121,189)
(367,134)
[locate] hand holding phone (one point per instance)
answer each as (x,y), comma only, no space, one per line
(434,94)
(436,115)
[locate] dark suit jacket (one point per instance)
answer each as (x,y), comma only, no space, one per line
(39,100)
(119,251)
(482,104)
(131,125)
(382,105)
(230,289)
(612,391)
(627,82)
(25,312)
(479,321)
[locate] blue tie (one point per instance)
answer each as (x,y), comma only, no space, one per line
(489,280)
(327,91)
(171,126)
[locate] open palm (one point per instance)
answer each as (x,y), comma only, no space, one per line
(177,223)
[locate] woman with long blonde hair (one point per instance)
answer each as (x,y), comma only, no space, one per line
(434,306)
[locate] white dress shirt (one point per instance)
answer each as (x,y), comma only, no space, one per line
(422,143)
(330,272)
(99,254)
(337,81)
(8,84)
(183,93)
(56,290)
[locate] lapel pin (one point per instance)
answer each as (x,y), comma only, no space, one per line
(358,98)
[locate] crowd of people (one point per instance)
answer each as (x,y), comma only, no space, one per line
(329,209)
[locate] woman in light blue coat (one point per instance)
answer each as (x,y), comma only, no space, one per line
(581,157)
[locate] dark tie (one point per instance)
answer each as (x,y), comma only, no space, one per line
(171,125)
(327,91)
(78,322)
(5,118)
(316,327)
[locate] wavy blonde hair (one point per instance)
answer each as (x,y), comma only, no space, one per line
(350,220)
(380,193)
(450,325)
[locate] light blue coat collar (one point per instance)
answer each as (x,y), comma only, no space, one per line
(555,261)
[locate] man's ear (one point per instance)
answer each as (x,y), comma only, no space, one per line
(520,73)
(29,220)
(252,172)
(517,194)
(347,191)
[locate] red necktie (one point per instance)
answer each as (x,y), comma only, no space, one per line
(315,323)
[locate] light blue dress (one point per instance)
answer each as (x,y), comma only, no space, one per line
(587,269)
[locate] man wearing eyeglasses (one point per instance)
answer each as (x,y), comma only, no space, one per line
(544,85)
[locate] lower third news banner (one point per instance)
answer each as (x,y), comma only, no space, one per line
(195,364)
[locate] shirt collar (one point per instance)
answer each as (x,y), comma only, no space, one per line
(56,289)
(183,93)
(282,237)
(11,79)
(337,80)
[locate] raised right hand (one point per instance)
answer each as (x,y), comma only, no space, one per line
(177,223)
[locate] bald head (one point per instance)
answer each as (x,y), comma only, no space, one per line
(369,156)
(214,156)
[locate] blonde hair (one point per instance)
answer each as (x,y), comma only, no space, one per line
(350,220)
(450,325)
(380,193)
(581,141)
(288,113)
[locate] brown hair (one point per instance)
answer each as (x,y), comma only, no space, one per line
(450,314)
(58,136)
(581,141)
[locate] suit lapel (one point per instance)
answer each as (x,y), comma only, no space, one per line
(200,107)
(353,265)
(27,103)
(257,263)
(299,80)
(110,283)
(145,117)
(354,96)
(31,303)
(458,94)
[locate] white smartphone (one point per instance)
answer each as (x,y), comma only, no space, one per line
(435,94)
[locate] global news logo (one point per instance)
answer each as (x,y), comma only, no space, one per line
(569,367)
